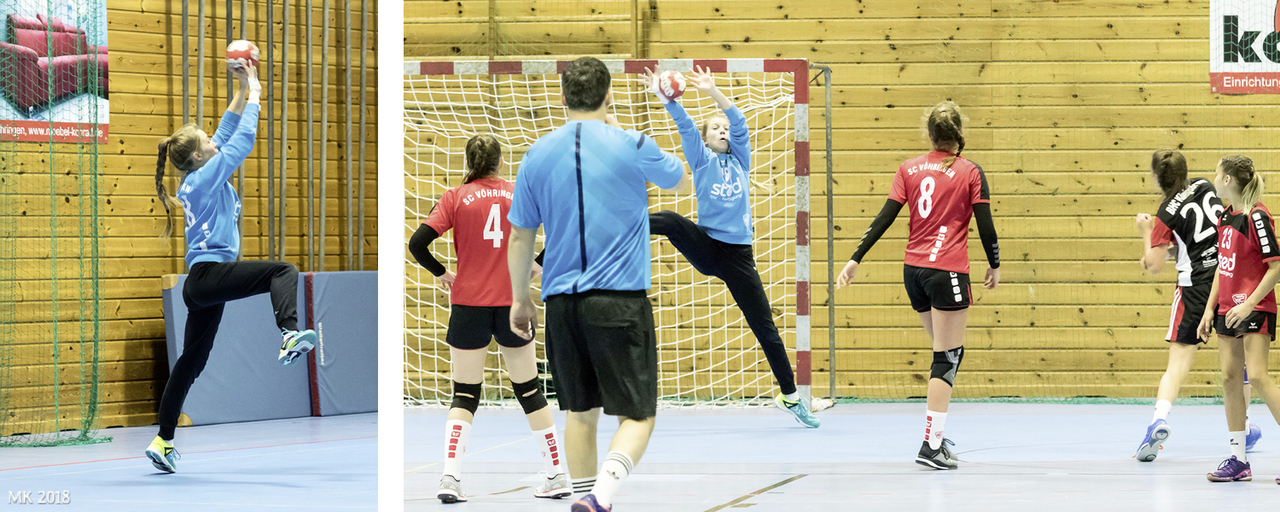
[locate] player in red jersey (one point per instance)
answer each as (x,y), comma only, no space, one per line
(480,294)
(1242,303)
(942,191)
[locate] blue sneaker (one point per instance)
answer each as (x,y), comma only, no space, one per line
(296,343)
(1232,470)
(588,504)
(1157,433)
(163,455)
(798,408)
(1250,439)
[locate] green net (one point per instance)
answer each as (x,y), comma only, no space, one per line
(53,122)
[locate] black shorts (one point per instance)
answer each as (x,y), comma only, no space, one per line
(1187,310)
(471,327)
(603,352)
(1256,322)
(938,289)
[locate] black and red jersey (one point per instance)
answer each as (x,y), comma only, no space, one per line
(941,202)
(1189,220)
(1246,243)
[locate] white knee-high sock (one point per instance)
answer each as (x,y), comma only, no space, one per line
(1162,410)
(933,422)
(617,466)
(552,455)
(456,433)
(1237,440)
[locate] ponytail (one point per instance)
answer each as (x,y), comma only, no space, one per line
(1251,193)
(176,148)
(944,125)
(160,190)
(483,154)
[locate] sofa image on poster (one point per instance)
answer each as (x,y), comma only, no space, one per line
(53,70)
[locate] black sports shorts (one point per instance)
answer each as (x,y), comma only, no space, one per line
(471,327)
(939,289)
(603,352)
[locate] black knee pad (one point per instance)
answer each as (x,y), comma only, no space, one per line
(469,403)
(945,365)
(530,395)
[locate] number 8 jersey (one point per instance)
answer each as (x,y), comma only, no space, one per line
(477,213)
(1189,220)
(941,203)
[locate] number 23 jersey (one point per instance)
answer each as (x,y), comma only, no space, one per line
(1190,221)
(1246,244)
(477,213)
(941,203)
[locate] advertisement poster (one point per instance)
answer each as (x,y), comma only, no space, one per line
(1244,56)
(53,71)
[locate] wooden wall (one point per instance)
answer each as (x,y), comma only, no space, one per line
(1066,101)
(146,105)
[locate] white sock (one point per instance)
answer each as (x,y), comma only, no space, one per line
(581,485)
(615,469)
(1237,444)
(793,396)
(1162,410)
(552,454)
(933,422)
(455,445)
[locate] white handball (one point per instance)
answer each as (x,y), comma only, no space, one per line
(242,50)
(670,84)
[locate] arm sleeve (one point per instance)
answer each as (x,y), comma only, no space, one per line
(1160,233)
(524,211)
(1265,229)
(878,227)
(230,120)
(420,248)
(239,145)
(739,138)
(695,151)
(987,232)
(659,167)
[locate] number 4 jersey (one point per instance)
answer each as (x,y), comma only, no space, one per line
(1189,220)
(1246,243)
(941,203)
(477,213)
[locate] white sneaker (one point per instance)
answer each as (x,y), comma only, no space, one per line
(555,487)
(450,490)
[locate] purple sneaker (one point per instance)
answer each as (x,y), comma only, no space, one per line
(1157,433)
(588,504)
(1231,470)
(1252,437)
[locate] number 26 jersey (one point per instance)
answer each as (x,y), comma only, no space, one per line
(941,203)
(1189,220)
(477,213)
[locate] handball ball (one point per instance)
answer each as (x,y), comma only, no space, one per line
(670,84)
(243,50)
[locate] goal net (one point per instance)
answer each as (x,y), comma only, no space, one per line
(707,355)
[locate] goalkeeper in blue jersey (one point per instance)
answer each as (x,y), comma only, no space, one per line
(719,245)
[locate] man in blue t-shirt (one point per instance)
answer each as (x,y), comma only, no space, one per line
(585,183)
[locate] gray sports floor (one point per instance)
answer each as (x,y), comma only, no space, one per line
(1015,457)
(293,464)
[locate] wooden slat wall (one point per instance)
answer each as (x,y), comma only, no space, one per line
(146,105)
(1066,101)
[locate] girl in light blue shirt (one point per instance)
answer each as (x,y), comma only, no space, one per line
(211,208)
